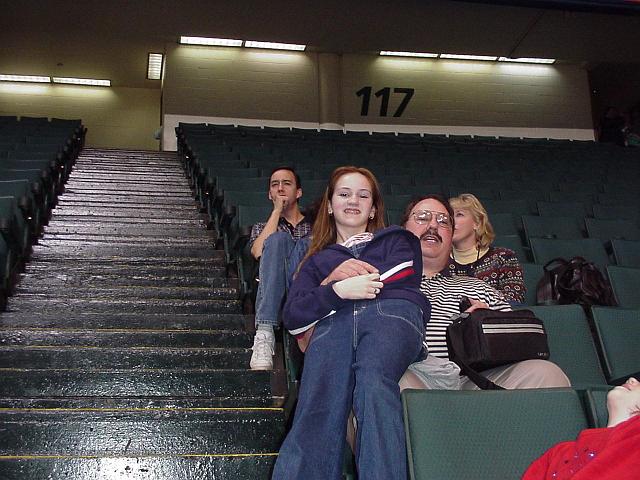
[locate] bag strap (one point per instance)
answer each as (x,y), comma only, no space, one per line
(456,348)
(546,289)
(476,377)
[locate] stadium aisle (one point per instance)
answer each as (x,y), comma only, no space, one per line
(123,352)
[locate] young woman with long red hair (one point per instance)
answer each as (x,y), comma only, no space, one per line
(367,330)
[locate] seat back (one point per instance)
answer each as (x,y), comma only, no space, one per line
(606,229)
(532,274)
(454,435)
(618,334)
(552,227)
(626,253)
(624,282)
(571,345)
(591,249)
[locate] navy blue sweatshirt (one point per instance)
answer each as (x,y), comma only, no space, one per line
(394,251)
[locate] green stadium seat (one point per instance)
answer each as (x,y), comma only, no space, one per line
(624,282)
(505,224)
(516,207)
(624,212)
(454,435)
(626,253)
(512,242)
(618,334)
(596,400)
(552,227)
(591,249)
(562,209)
(605,229)
(571,345)
(532,274)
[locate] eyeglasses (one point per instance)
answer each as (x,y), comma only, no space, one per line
(423,217)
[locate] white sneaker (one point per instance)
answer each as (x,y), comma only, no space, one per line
(263,347)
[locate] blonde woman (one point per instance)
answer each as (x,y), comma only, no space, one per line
(474,256)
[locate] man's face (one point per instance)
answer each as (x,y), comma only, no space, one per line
(283,184)
(435,237)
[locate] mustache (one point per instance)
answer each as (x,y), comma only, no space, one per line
(431,231)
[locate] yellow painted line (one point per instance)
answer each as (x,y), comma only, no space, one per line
(149,409)
(95,457)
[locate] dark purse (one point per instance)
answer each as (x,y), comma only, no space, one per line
(486,339)
(573,281)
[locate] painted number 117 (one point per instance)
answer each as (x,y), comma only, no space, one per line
(385,93)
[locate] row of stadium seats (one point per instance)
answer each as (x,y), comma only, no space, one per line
(228,167)
(36,156)
(596,347)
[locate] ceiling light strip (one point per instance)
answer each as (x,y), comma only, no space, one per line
(547,61)
(82,81)
(215,42)
(455,56)
(25,78)
(274,45)
(408,54)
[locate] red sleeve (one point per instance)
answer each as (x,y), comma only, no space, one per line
(539,468)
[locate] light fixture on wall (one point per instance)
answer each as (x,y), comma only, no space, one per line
(212,42)
(154,66)
(455,56)
(274,45)
(82,81)
(409,54)
(547,61)
(25,78)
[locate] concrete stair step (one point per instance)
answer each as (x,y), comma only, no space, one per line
(128,201)
(150,292)
(45,282)
(126,337)
(120,320)
(202,383)
(139,431)
(126,358)
(60,249)
(173,233)
(72,306)
(168,467)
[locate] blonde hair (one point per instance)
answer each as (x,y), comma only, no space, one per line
(484,233)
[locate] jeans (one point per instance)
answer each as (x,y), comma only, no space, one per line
(275,268)
(354,360)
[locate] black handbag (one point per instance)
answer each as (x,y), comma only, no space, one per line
(486,339)
(573,281)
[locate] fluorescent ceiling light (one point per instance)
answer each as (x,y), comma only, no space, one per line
(274,46)
(527,60)
(25,78)
(409,54)
(468,57)
(215,42)
(154,66)
(83,81)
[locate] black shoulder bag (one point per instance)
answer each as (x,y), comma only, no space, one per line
(486,339)
(573,281)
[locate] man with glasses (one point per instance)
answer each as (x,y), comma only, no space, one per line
(271,244)
(431,219)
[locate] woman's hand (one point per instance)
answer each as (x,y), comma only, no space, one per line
(360,287)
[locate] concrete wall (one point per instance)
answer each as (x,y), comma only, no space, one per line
(252,87)
(115,117)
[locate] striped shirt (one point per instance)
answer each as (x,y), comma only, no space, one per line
(444,292)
